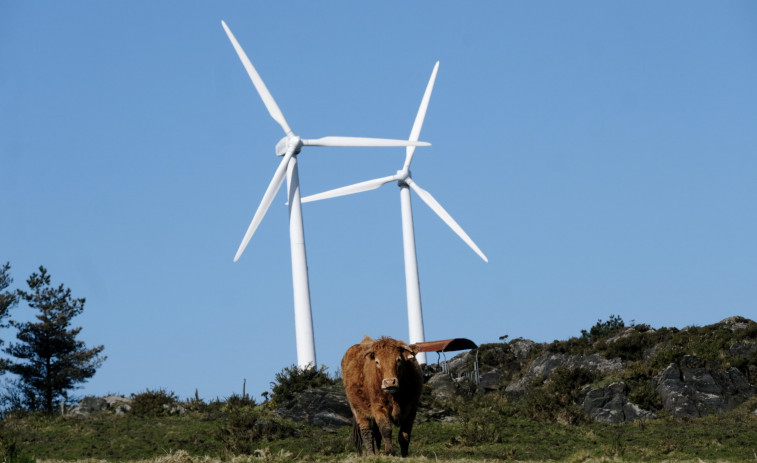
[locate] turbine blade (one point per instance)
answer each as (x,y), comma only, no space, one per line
(360,141)
(265,95)
(416,131)
(351,189)
(265,203)
(444,215)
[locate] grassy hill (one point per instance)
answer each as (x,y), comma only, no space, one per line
(544,422)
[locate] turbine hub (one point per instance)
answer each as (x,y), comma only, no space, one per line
(287,143)
(402,175)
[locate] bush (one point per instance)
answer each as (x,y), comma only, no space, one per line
(603,329)
(238,401)
(555,400)
(630,347)
(294,379)
(153,403)
(11,453)
(246,427)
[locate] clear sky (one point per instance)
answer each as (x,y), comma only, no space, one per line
(602,154)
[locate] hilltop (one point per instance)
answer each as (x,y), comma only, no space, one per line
(632,392)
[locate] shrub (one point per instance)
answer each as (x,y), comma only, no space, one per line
(152,403)
(11,453)
(238,401)
(555,400)
(630,347)
(246,427)
(603,329)
(294,379)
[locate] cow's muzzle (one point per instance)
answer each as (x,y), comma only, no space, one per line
(390,385)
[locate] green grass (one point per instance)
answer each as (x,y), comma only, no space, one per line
(543,425)
(491,436)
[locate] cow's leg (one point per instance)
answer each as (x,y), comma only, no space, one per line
(365,427)
(405,438)
(406,426)
(385,427)
(376,437)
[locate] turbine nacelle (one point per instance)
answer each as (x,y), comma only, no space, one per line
(402,176)
(290,142)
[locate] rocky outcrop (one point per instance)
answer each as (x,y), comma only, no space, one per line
(90,405)
(326,407)
(547,363)
(695,391)
(610,404)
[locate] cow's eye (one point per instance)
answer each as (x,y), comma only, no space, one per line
(399,359)
(378,364)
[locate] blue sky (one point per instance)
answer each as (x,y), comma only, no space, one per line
(602,155)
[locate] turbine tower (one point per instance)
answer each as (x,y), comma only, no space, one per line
(289,147)
(406,183)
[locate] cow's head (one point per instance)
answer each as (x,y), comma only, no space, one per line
(391,358)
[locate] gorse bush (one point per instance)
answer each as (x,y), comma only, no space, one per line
(554,401)
(11,453)
(153,403)
(603,329)
(247,427)
(239,401)
(294,379)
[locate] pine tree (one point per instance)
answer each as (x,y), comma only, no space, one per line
(7,300)
(50,361)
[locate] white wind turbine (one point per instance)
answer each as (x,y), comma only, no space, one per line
(405,182)
(289,147)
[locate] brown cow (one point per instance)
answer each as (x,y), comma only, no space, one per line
(383,383)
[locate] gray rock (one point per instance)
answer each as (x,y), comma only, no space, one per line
(426,414)
(551,361)
(465,386)
(699,391)
(610,404)
(326,407)
(90,405)
(521,348)
(742,349)
(174,409)
(491,380)
(671,388)
(461,364)
(735,323)
(442,387)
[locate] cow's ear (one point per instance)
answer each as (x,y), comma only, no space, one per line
(409,352)
(367,345)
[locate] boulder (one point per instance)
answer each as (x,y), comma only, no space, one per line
(743,349)
(547,363)
(491,380)
(522,348)
(442,387)
(326,407)
(461,364)
(90,405)
(174,409)
(735,323)
(610,404)
(696,391)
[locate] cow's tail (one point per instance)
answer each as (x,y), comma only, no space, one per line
(357,439)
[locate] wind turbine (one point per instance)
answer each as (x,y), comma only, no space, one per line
(289,147)
(406,183)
